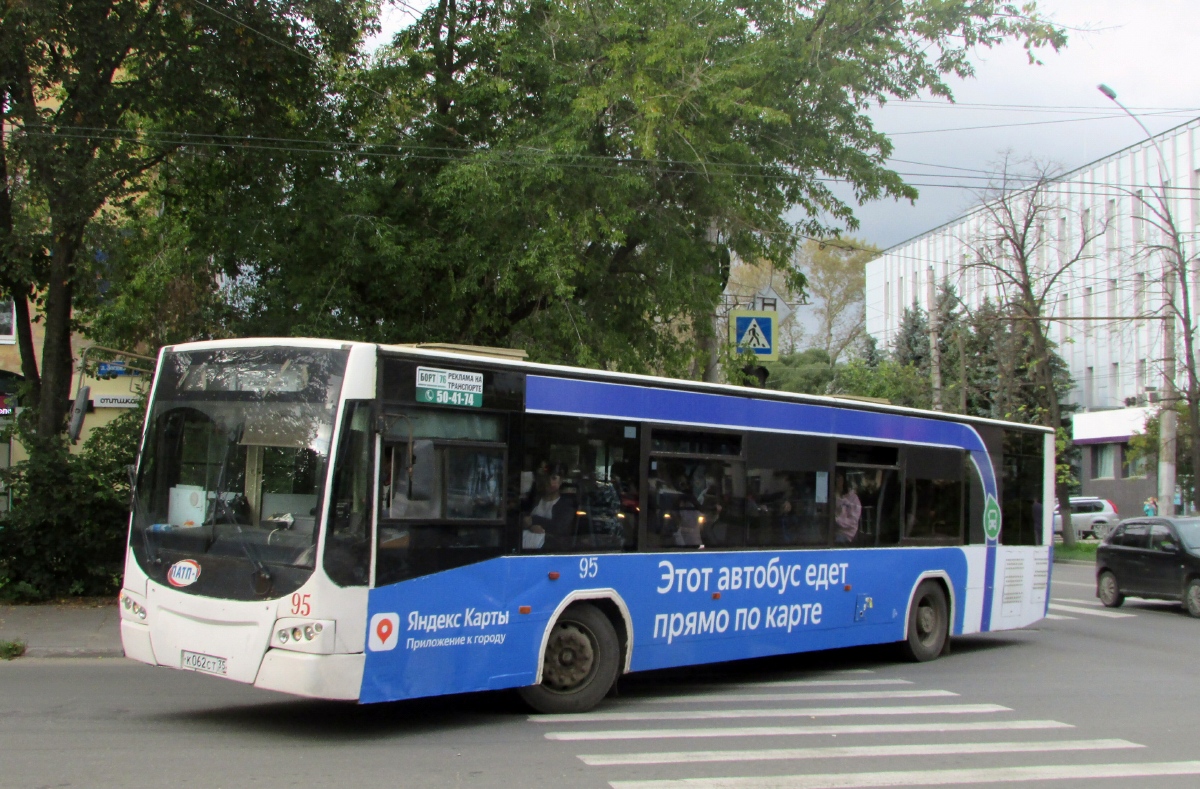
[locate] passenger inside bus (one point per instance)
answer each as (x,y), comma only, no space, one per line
(550,520)
(848,512)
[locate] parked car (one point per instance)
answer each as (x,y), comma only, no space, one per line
(1091,516)
(1151,557)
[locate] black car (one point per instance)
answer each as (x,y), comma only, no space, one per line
(1151,557)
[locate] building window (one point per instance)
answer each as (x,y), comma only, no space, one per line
(1104,458)
(1087,312)
(1138,208)
(8,321)
(1132,466)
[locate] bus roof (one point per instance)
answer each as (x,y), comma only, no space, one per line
(502,357)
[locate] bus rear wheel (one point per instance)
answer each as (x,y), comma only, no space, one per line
(580,665)
(928,623)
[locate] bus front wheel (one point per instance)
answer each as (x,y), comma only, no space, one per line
(580,665)
(928,623)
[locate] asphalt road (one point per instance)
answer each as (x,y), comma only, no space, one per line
(1089,698)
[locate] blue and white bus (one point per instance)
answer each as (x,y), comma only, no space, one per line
(370,522)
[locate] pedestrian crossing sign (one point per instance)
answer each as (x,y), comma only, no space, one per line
(753,331)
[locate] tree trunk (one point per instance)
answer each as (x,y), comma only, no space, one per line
(57,359)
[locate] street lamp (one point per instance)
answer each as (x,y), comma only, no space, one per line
(1168,427)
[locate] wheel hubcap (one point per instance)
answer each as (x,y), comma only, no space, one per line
(570,657)
(926,619)
(1108,588)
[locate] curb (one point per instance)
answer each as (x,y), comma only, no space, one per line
(72,652)
(1082,562)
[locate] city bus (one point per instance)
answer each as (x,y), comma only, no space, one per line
(367,522)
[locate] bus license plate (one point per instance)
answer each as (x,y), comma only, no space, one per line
(206,663)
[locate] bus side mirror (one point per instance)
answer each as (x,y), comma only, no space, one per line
(78,412)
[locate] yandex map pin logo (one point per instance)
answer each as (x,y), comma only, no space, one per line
(382,634)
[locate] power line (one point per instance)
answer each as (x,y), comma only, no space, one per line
(1110,116)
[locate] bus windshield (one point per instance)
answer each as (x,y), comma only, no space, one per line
(233,468)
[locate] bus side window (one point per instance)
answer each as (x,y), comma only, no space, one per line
(347,545)
(866,495)
(1021,488)
(790,484)
(933,495)
(575,486)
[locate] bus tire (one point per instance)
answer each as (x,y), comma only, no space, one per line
(928,623)
(581,663)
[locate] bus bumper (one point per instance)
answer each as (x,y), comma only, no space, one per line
(316,676)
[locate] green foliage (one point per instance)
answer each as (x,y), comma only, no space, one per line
(899,384)
(910,347)
(96,95)
(571,178)
(66,531)
(807,372)
(1143,448)
(10,650)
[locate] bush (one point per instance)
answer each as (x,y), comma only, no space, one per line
(65,534)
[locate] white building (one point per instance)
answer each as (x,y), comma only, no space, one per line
(1111,362)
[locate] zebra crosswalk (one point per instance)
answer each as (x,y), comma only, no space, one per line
(746,736)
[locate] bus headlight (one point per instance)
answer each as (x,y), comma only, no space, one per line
(304,635)
(131,607)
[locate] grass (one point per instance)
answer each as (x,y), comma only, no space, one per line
(11,649)
(1085,551)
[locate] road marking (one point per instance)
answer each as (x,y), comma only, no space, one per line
(1073,601)
(794,731)
(1074,609)
(986,775)
(802,712)
(823,683)
(932,749)
(1057,582)
(1060,616)
(844,695)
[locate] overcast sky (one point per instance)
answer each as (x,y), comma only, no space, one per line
(1146,50)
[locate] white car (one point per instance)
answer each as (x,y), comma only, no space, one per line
(1091,517)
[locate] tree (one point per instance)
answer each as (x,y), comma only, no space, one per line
(835,274)
(807,372)
(573,178)
(898,384)
(96,94)
(1144,449)
(1010,245)
(910,346)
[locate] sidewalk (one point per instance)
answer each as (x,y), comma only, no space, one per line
(86,628)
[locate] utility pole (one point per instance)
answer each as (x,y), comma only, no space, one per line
(935,353)
(1168,419)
